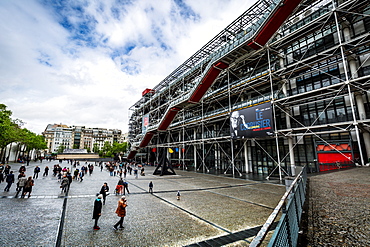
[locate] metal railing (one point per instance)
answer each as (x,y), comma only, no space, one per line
(291,205)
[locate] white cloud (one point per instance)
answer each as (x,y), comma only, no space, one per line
(86,62)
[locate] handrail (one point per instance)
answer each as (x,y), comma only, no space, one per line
(257,241)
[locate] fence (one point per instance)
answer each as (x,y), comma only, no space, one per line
(291,204)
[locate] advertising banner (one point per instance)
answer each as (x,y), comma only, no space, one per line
(252,122)
(145,123)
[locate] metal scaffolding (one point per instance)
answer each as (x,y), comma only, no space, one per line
(312,64)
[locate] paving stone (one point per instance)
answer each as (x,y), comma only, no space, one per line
(210,207)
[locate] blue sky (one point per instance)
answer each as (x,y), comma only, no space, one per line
(85,62)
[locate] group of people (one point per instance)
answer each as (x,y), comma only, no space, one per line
(122,187)
(100,201)
(24,184)
(124,168)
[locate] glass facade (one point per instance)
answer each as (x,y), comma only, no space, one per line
(315,73)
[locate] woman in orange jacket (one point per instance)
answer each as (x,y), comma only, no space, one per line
(121,212)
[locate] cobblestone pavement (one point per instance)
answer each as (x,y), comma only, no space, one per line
(339,208)
(210,207)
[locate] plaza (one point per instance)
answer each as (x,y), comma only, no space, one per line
(211,207)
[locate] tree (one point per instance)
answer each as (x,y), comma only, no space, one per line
(96,148)
(61,149)
(8,130)
(119,147)
(11,131)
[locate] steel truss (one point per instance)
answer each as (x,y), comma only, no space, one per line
(315,67)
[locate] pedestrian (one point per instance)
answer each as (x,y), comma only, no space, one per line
(10,180)
(91,169)
(150,187)
(121,212)
(7,169)
(28,187)
(125,187)
(119,187)
(97,211)
(36,172)
(142,172)
(75,174)
(46,171)
(64,184)
(69,176)
(21,183)
(81,175)
(104,191)
(22,169)
(178,195)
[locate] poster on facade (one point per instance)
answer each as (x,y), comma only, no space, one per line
(252,122)
(145,123)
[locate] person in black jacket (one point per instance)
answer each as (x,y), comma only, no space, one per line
(10,180)
(97,211)
(104,190)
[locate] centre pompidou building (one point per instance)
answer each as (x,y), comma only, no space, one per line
(284,85)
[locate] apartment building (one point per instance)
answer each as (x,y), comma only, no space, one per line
(79,137)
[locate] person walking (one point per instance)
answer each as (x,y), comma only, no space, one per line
(36,172)
(7,169)
(75,174)
(64,184)
(81,176)
(125,187)
(46,171)
(22,169)
(21,183)
(119,187)
(28,187)
(10,180)
(70,179)
(150,187)
(121,212)
(104,190)
(97,211)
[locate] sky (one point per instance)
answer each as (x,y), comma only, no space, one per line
(86,62)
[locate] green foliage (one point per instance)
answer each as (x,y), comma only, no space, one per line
(119,147)
(96,148)
(11,131)
(110,150)
(61,149)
